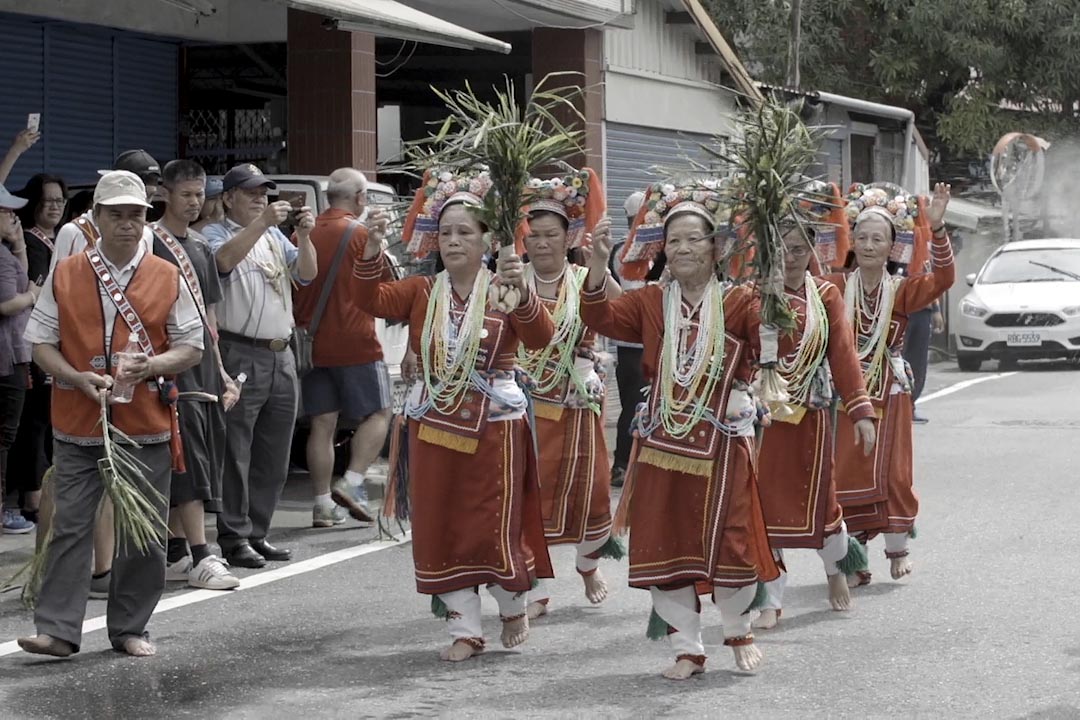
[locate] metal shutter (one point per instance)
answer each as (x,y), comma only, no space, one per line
(147,98)
(632,153)
(100,91)
(22,57)
(79,84)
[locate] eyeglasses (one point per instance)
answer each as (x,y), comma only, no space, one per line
(54,201)
(6,211)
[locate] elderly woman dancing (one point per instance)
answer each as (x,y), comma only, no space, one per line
(890,228)
(691,495)
(472,483)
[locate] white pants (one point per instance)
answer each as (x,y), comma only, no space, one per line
(542,592)
(681,610)
(464,607)
(832,552)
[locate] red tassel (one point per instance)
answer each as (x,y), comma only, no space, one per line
(414,211)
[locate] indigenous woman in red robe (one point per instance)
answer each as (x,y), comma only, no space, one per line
(568,392)
(795,469)
(472,483)
(890,228)
(691,494)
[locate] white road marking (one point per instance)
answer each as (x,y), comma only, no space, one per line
(263,578)
(961,386)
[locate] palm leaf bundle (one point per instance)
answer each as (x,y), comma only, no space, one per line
(769,161)
(512,142)
(136,503)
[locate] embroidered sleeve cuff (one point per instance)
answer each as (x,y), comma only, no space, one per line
(529,311)
(372,269)
(941,254)
(599,295)
(860,408)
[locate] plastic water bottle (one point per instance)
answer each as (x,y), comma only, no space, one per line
(123,390)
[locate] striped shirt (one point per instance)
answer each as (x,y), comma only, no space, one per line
(184,325)
(257,294)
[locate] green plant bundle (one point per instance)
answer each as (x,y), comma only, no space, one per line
(513,143)
(135,501)
(769,161)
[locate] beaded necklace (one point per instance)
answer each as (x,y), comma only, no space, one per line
(876,318)
(813,343)
(451,349)
(695,367)
(568,326)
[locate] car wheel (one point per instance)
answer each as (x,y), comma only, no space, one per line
(1008,364)
(969,363)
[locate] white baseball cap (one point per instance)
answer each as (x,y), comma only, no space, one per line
(633,203)
(120,187)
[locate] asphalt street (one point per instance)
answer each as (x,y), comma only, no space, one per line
(987,626)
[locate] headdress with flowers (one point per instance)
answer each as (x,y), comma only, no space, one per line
(439,189)
(664,200)
(578,197)
(907,213)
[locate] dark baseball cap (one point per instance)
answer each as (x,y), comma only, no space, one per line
(139,162)
(246,177)
(214,187)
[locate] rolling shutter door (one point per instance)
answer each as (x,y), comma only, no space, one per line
(147,98)
(79,84)
(634,151)
(22,56)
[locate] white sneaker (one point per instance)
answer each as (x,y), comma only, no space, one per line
(178,571)
(211,574)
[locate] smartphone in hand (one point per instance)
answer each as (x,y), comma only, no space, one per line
(33,122)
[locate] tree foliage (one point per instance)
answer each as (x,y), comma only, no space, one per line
(970,70)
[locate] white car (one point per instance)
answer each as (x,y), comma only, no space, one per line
(1023,304)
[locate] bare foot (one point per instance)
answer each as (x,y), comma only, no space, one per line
(460,650)
(860,578)
(595,587)
(515,631)
(900,567)
(839,594)
(766,620)
(138,647)
(683,670)
(747,657)
(536,609)
(46,645)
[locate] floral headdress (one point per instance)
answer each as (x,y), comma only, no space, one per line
(663,201)
(905,211)
(439,189)
(578,197)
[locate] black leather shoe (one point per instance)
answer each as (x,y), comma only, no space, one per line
(270,552)
(243,555)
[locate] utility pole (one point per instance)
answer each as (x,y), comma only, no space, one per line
(794,41)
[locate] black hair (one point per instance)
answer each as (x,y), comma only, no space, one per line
(542,213)
(34,192)
(78,203)
(178,171)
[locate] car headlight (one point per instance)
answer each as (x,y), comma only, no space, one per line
(1071,311)
(973,309)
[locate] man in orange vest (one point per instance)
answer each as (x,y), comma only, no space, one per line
(78,343)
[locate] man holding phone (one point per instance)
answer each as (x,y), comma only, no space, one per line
(348,378)
(258,266)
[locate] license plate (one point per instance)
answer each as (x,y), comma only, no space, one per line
(1023,339)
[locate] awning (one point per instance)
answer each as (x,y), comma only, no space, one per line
(388,18)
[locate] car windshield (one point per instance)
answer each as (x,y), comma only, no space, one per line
(1036,265)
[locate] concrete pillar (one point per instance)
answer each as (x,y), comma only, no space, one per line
(331,78)
(580,51)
